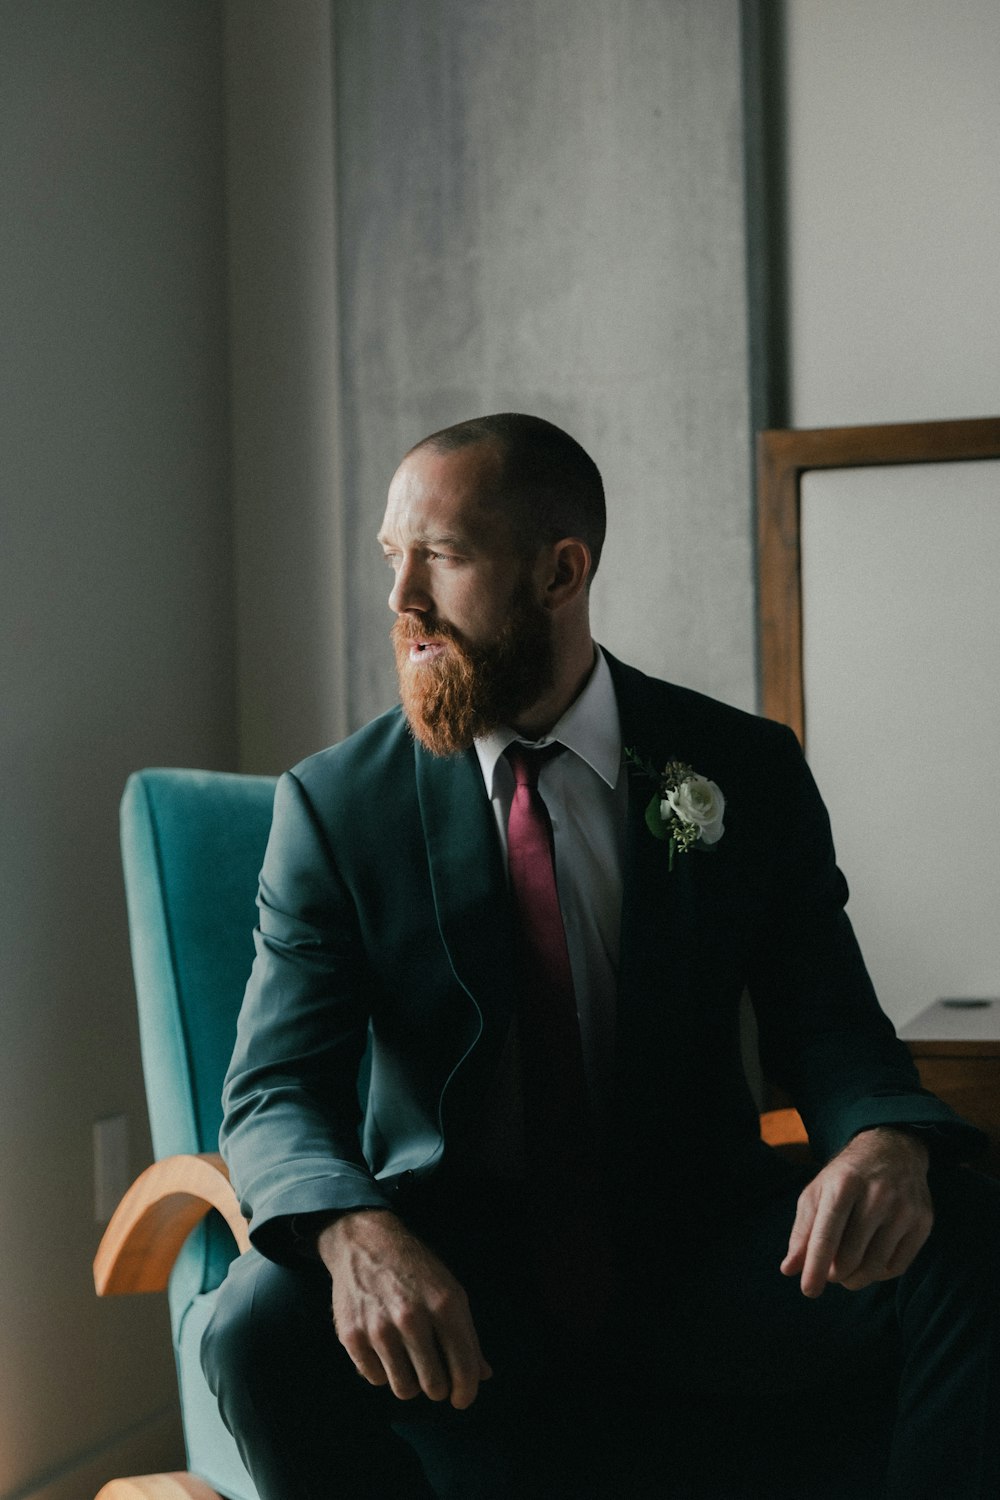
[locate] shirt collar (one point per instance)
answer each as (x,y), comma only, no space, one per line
(590,727)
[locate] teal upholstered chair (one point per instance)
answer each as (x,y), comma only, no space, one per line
(192,847)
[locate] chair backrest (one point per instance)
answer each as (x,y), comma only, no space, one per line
(192,847)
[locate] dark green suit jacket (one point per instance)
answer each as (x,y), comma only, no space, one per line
(384,913)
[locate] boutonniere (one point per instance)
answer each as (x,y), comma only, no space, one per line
(686,809)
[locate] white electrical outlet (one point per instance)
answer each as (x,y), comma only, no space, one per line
(111,1167)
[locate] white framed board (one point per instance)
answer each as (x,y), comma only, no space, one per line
(880,607)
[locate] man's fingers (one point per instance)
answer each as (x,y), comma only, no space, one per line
(862,1244)
(410,1368)
(864,1256)
(416,1351)
(428,1360)
(824,1242)
(908,1249)
(888,1255)
(798,1240)
(461,1352)
(381,1356)
(366,1361)
(420,1364)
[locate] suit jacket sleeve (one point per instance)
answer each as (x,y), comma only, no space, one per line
(823,1035)
(290,1132)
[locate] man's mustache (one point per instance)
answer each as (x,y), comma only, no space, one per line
(406,629)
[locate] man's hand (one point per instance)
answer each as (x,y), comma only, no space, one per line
(399,1312)
(864,1217)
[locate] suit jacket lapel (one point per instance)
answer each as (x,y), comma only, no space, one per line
(649,894)
(657,903)
(469,887)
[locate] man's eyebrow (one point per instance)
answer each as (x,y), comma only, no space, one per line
(444,539)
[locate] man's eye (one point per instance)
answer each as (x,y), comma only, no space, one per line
(392,558)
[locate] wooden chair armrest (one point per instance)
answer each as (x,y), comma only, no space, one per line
(155,1217)
(783,1127)
(159,1487)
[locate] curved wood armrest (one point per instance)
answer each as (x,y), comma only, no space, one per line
(155,1217)
(783,1127)
(159,1487)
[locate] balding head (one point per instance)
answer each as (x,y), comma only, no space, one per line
(546,483)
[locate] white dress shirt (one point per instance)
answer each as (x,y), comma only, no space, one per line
(586,792)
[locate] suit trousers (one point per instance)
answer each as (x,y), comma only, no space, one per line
(713,1379)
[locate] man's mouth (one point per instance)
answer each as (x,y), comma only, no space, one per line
(423,650)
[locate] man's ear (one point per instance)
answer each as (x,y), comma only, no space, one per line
(567,571)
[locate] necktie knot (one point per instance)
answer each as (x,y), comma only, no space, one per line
(526,761)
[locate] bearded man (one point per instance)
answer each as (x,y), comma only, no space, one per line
(545,1223)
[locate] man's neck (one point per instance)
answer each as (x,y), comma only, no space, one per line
(572,677)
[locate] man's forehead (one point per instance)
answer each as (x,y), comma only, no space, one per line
(449,497)
(472,470)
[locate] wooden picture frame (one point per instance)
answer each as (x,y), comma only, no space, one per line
(783,456)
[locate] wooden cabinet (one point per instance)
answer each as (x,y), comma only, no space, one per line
(957,1051)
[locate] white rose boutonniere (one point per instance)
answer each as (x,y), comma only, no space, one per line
(686,810)
(697,801)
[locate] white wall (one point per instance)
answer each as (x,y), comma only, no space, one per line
(893,210)
(903,715)
(892,179)
(116,651)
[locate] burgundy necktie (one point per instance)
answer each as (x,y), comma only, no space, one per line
(552,1057)
(558,1127)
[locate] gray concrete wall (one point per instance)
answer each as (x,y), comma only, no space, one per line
(541,209)
(116,651)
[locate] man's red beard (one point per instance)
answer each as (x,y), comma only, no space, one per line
(468,691)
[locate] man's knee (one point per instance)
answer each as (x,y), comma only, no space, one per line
(955,1272)
(264,1320)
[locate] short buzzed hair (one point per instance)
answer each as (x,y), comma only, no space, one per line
(548,483)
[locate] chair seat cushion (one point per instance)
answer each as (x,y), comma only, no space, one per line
(211,1452)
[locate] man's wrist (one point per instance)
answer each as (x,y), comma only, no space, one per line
(327,1235)
(306,1229)
(922,1136)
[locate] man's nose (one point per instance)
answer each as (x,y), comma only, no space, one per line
(409,590)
